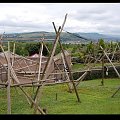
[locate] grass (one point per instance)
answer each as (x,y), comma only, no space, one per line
(81,66)
(95,99)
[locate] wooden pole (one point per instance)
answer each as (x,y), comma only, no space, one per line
(40,60)
(111,62)
(71,77)
(102,82)
(51,56)
(9,82)
(13,54)
(69,84)
(81,78)
(115,92)
(53,59)
(45,71)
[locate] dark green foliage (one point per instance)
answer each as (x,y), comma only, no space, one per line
(90,48)
(102,44)
(0,50)
(32,48)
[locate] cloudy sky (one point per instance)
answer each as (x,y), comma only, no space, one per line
(82,17)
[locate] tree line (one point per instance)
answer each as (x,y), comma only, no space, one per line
(77,50)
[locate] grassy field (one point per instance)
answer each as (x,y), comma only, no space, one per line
(95,99)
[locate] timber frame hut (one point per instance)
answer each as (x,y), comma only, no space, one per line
(27,67)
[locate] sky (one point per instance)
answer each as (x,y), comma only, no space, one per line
(82,17)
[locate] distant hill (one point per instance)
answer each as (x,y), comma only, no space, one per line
(65,37)
(96,36)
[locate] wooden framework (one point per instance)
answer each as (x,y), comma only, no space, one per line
(37,78)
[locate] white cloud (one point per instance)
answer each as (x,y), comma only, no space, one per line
(82,17)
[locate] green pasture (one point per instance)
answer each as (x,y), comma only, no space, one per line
(95,99)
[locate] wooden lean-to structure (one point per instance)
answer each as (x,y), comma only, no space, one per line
(18,71)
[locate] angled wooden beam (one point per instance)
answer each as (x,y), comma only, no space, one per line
(71,77)
(50,56)
(53,59)
(111,62)
(69,84)
(115,92)
(81,78)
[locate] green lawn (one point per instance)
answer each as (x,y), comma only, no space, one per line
(95,99)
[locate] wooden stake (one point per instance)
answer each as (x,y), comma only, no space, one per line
(102,82)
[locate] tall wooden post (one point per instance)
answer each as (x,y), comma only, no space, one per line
(9,82)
